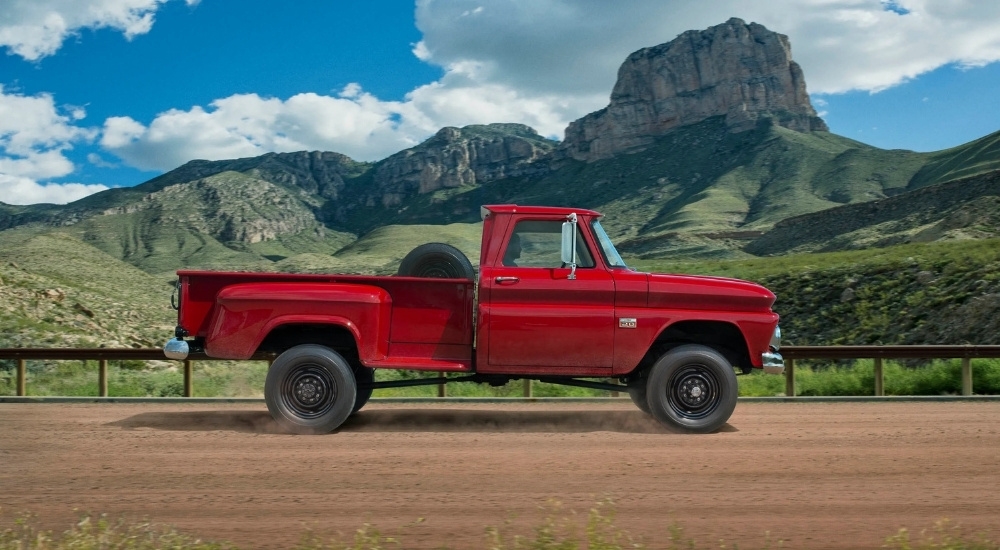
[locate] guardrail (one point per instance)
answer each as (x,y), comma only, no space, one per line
(966,353)
(791,353)
(102,356)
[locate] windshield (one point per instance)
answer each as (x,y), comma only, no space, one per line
(607,247)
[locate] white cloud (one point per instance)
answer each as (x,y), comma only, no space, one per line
(576,46)
(20,190)
(34,136)
(34,29)
(354,122)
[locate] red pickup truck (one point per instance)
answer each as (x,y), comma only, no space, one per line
(555,303)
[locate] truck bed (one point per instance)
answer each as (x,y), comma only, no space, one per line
(431,319)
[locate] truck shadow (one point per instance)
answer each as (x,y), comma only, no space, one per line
(414,420)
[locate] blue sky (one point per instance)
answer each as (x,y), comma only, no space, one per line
(108,93)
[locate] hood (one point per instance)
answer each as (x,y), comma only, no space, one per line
(695,292)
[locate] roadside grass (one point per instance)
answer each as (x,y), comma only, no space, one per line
(559,529)
(827,378)
(246,379)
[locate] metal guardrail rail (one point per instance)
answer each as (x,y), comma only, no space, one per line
(102,356)
(791,353)
(964,352)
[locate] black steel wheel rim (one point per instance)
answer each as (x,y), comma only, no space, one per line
(693,392)
(309,391)
(439,268)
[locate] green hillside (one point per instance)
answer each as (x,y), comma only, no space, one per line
(698,191)
(971,159)
(963,209)
(227,220)
(56,290)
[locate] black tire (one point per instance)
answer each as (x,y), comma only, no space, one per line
(692,388)
(363,376)
(437,260)
(637,391)
(310,389)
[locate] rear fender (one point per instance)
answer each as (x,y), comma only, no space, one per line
(244,314)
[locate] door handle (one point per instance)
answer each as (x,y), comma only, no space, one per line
(506,280)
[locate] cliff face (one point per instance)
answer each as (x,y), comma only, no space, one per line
(741,71)
(458,157)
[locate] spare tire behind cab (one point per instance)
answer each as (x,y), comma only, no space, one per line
(437,260)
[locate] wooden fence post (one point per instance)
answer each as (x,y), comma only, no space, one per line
(879,379)
(188,387)
(22,378)
(966,376)
(102,378)
(442,392)
(527,387)
(790,378)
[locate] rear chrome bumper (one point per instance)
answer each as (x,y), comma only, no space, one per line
(773,362)
(176,348)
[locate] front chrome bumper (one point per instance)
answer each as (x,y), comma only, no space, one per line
(175,348)
(773,362)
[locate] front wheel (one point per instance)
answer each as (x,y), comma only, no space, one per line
(310,389)
(637,391)
(692,388)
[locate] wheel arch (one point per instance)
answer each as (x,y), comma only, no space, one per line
(337,334)
(723,336)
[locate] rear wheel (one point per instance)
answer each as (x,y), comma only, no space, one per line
(310,389)
(437,260)
(692,388)
(363,377)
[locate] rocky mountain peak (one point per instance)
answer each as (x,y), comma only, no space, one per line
(455,157)
(737,70)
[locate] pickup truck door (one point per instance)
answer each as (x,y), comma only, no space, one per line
(538,317)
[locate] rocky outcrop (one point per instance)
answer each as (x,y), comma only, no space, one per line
(316,172)
(457,157)
(740,71)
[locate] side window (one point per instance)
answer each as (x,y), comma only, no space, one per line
(538,244)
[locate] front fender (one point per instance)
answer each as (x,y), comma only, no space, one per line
(244,314)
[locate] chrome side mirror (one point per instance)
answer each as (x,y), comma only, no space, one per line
(568,249)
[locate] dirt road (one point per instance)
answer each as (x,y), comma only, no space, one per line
(824,475)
